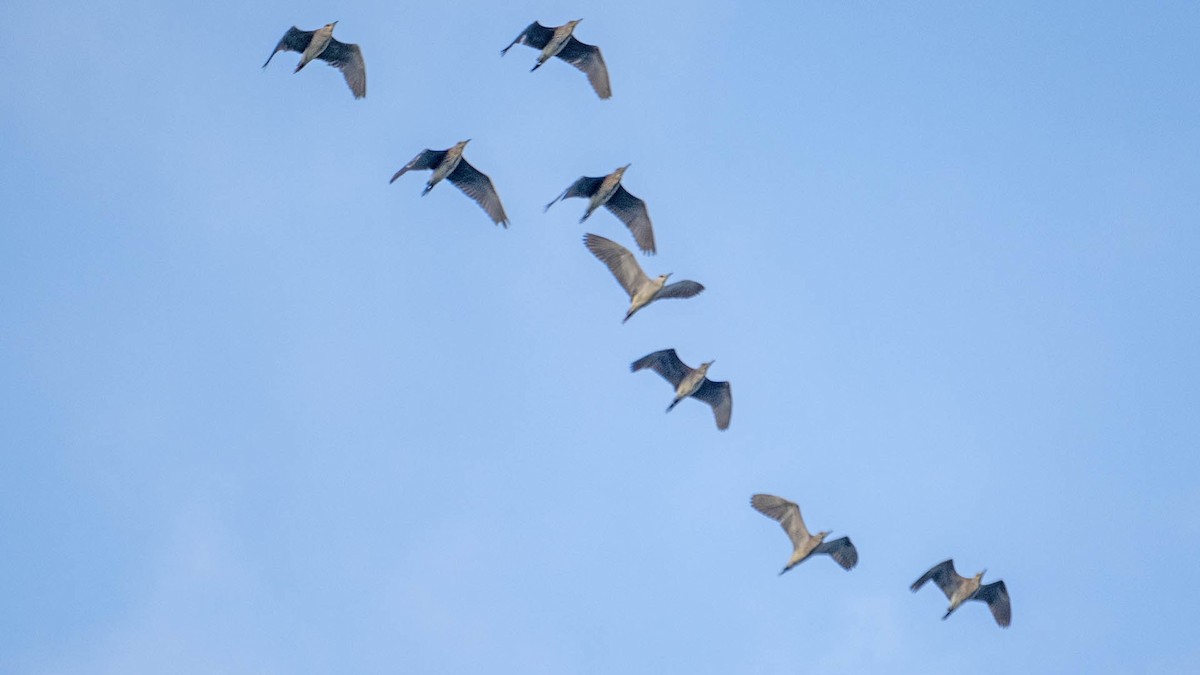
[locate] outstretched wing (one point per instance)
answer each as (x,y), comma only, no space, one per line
(588,59)
(665,363)
(584,187)
(632,211)
(535,35)
(784,511)
(295,40)
(680,289)
(841,550)
(426,159)
(720,397)
(996,596)
(619,260)
(943,575)
(479,187)
(348,59)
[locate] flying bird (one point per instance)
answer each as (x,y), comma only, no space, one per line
(804,545)
(561,43)
(450,164)
(690,382)
(607,191)
(959,589)
(641,289)
(319,44)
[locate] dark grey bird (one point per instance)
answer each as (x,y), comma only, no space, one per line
(690,382)
(607,191)
(641,289)
(451,165)
(561,43)
(959,589)
(319,44)
(804,545)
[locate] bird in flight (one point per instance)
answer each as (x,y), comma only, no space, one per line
(804,545)
(959,589)
(319,44)
(450,164)
(641,289)
(561,42)
(608,192)
(690,382)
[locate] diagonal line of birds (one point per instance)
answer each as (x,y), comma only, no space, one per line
(609,192)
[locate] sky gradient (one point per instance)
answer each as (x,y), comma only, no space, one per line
(262,412)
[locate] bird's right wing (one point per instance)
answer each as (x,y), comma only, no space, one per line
(632,211)
(584,187)
(479,187)
(943,575)
(295,40)
(535,35)
(348,59)
(784,511)
(720,397)
(426,159)
(996,596)
(588,59)
(841,550)
(665,363)
(619,260)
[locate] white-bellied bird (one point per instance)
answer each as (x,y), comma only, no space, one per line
(959,589)
(642,290)
(804,545)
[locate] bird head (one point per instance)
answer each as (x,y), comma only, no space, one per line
(980,575)
(574,23)
(621,170)
(331,25)
(462,144)
(823,534)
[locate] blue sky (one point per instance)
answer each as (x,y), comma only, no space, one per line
(262,412)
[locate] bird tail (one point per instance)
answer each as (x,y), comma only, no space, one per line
(629,314)
(299,66)
(673,404)
(536,66)
(947,614)
(428,187)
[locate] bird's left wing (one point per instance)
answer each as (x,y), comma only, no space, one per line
(632,211)
(841,550)
(426,159)
(996,596)
(720,397)
(588,59)
(681,289)
(619,260)
(348,59)
(479,187)
(295,40)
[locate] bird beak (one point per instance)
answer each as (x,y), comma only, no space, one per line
(335,23)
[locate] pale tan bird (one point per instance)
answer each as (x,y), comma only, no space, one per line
(450,164)
(561,43)
(690,382)
(641,289)
(608,192)
(804,545)
(319,44)
(959,589)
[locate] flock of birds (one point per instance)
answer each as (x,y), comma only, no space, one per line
(607,191)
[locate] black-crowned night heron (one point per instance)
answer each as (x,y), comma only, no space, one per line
(959,589)
(804,545)
(450,164)
(607,191)
(641,289)
(319,44)
(561,43)
(690,382)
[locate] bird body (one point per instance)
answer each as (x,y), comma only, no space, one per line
(449,164)
(804,544)
(959,589)
(608,192)
(690,382)
(561,42)
(320,44)
(642,290)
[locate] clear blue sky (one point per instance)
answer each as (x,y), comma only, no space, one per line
(261,412)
